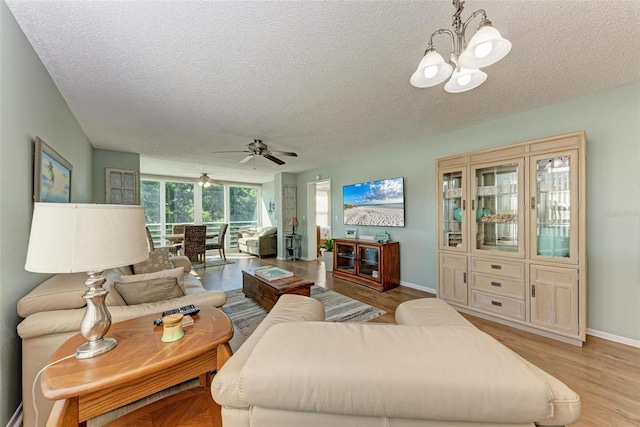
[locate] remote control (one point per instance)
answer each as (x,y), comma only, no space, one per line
(186,310)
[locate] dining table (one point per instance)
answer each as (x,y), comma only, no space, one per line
(179,237)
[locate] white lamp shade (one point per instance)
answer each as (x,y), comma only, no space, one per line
(464,79)
(437,71)
(486,47)
(68,238)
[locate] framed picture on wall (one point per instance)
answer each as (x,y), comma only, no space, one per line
(51,175)
(350,233)
(122,187)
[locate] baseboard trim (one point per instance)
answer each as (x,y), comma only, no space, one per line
(418,287)
(16,419)
(615,338)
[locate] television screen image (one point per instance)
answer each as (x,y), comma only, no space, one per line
(375,203)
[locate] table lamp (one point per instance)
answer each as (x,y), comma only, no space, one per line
(69,238)
(293,223)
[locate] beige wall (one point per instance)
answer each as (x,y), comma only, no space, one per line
(30,106)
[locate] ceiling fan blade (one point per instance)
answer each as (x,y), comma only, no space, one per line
(234,151)
(285,153)
(273,159)
(246,159)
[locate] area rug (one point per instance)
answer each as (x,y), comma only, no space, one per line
(213,262)
(246,314)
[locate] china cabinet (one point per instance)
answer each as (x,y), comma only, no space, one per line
(511,227)
(376,265)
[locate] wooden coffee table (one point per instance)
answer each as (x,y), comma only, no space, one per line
(140,365)
(266,293)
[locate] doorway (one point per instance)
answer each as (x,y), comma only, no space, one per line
(319,215)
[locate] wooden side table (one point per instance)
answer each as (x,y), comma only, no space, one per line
(139,366)
(293,246)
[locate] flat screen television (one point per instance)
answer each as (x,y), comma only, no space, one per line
(376,203)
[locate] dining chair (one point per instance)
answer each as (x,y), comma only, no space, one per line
(219,245)
(150,240)
(175,248)
(194,243)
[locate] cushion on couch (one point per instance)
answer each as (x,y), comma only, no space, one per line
(158,260)
(59,292)
(177,273)
(151,290)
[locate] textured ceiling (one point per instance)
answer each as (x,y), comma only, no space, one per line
(176,81)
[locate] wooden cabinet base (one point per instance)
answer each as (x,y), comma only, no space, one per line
(372,264)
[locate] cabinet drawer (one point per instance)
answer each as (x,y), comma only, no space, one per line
(498,285)
(503,306)
(498,268)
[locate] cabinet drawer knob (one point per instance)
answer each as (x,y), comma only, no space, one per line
(497,284)
(496,266)
(496,303)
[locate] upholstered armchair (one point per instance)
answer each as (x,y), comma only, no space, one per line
(260,241)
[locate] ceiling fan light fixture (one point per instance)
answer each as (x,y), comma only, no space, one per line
(204,181)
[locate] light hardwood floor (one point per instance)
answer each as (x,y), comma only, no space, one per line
(605,374)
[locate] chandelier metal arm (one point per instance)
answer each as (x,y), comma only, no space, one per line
(442,31)
(473,15)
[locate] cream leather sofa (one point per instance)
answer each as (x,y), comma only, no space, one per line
(260,241)
(53,310)
(433,369)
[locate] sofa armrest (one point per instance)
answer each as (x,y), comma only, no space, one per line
(332,360)
(181,261)
(289,308)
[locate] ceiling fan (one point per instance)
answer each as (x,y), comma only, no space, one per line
(259,148)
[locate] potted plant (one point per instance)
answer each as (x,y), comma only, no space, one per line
(327,254)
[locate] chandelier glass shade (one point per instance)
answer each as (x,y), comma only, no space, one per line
(485,48)
(464,79)
(431,71)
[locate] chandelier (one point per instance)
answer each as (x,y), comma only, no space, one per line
(486,47)
(204,181)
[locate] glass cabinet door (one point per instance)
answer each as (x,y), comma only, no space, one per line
(452,210)
(495,208)
(368,262)
(554,206)
(345,257)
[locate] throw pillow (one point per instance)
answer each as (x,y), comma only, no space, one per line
(177,273)
(149,290)
(158,260)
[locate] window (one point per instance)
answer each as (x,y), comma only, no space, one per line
(169,202)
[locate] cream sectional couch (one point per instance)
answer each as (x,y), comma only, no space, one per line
(433,369)
(53,310)
(260,241)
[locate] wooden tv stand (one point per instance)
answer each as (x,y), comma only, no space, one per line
(373,264)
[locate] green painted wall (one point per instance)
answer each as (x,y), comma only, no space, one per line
(30,106)
(612,121)
(103,159)
(268,196)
